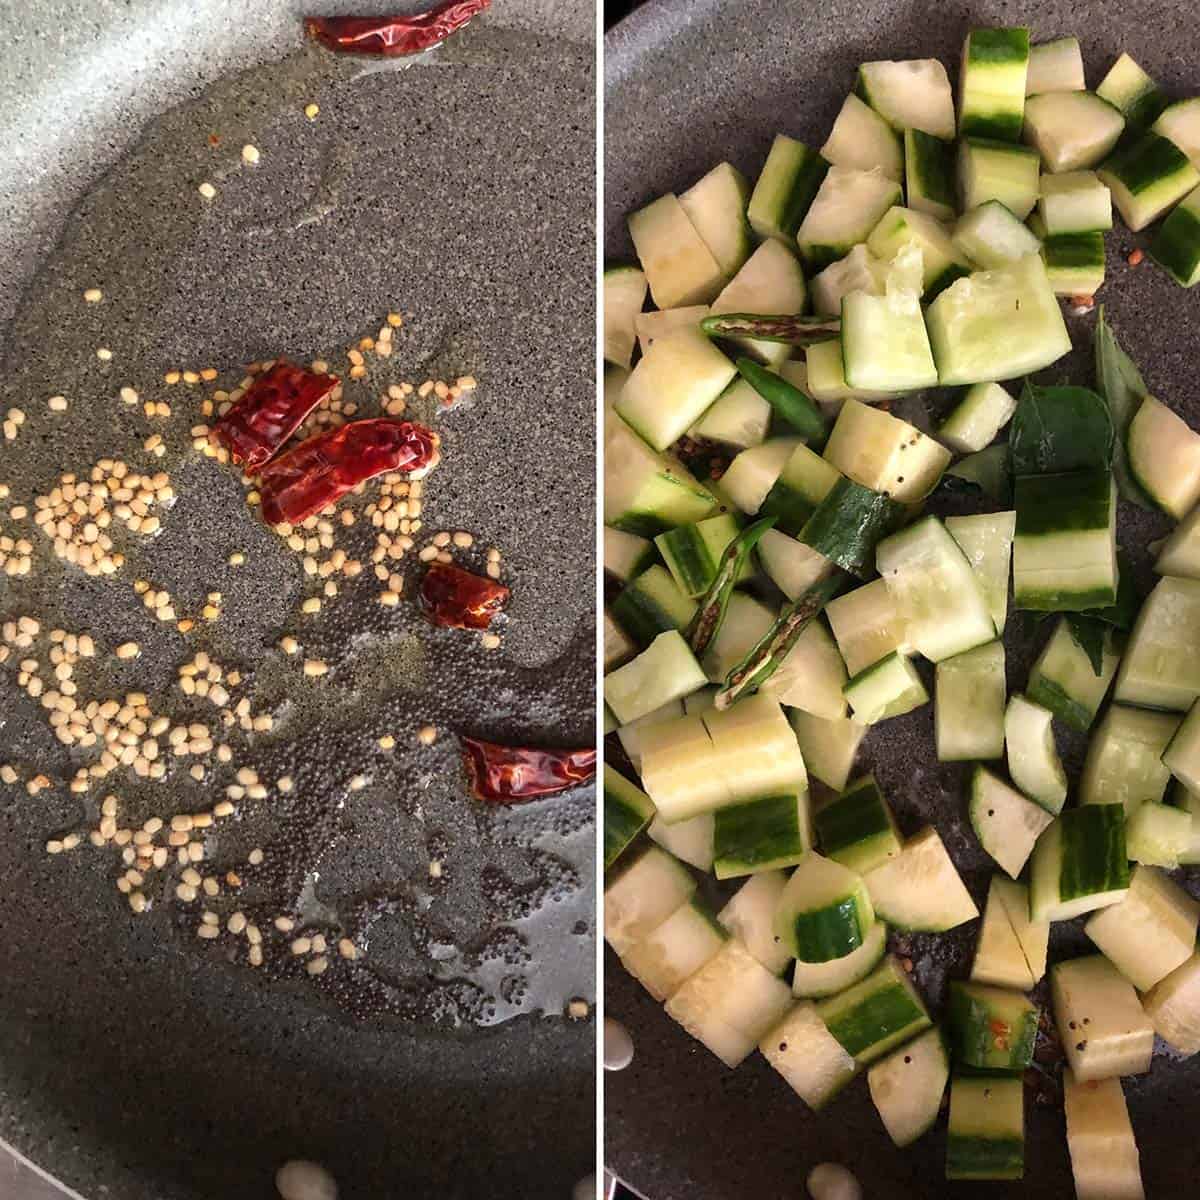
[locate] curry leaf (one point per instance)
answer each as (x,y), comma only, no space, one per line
(1060,429)
(1089,635)
(1123,389)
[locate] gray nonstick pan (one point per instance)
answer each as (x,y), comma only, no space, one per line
(137,1059)
(691,83)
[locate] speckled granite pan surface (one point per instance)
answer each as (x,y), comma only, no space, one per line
(137,1061)
(687,84)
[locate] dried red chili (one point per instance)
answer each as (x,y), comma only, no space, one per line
(511,774)
(396,35)
(460,599)
(324,468)
(270,412)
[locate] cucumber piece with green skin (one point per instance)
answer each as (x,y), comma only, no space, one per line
(1002,171)
(747,621)
(1072,130)
(866,625)
(1079,864)
(645,492)
(1104,1153)
(739,417)
(808,1056)
(788,401)
(1173,1005)
(1182,755)
(1074,263)
(910,95)
(913,94)
(986,1135)
(1158,835)
(908,1084)
(770,283)
(675,950)
(884,453)
(1161,665)
(988,472)
(681,770)
(1124,760)
(1055,67)
(942,263)
(859,271)
(1104,1030)
(665,670)
(817,980)
(846,208)
(857,828)
(920,889)
(631,736)
(675,381)
(990,236)
(1006,823)
(730,1003)
(1147,176)
(1063,680)
(1064,550)
(811,675)
(968,705)
(986,539)
(646,891)
(888,688)
(929,179)
(680,269)
(1180,554)
(1034,936)
(997,325)
(1128,88)
(624,295)
(876,1014)
(651,604)
(749,916)
(991,1028)
(863,141)
(1151,932)
(935,589)
(824,912)
(1033,760)
(1180,122)
(1176,244)
(792,566)
(884,342)
(1164,457)
(999,959)
(806,479)
(1075,202)
(826,376)
(1188,801)
(626,555)
(991,83)
(716,206)
(752,474)
(829,747)
(627,811)
(762,834)
(789,180)
(691,840)
(618,645)
(846,526)
(693,552)
(756,748)
(650,326)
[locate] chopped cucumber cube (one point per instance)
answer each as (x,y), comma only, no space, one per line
(884,342)
(1063,680)
(1006,822)
(1124,761)
(1079,863)
(1072,130)
(1151,932)
(749,916)
(693,552)
(1176,245)
(909,95)
(907,1086)
(941,261)
(756,748)
(619,647)
(857,828)
(888,688)
(986,539)
(690,840)
(1002,171)
(1180,122)
(1075,202)
(624,295)
(771,282)
(643,895)
(1158,835)
(829,747)
(826,376)
(1182,755)
(1033,760)
(1180,553)
(1173,1005)
(1161,666)
(1146,177)
(986,1135)
(716,206)
(675,950)
(848,523)
(991,1028)
(681,770)
(929,177)
(1128,88)
(1164,457)
(650,326)
(999,959)
(679,267)
(626,554)
(824,912)
(991,83)
(877,1013)
(790,565)
(1074,263)
(862,140)
(754,472)
(997,324)
(785,189)
(811,675)
(631,736)
(859,271)
(806,479)
(739,417)
(816,980)
(1034,936)
(651,604)
(990,236)
(920,888)
(808,1056)
(866,625)
(627,811)
(761,834)
(968,706)
(1104,1030)
(846,208)
(1104,1154)
(1055,67)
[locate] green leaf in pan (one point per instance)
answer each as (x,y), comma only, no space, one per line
(1060,429)
(1123,389)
